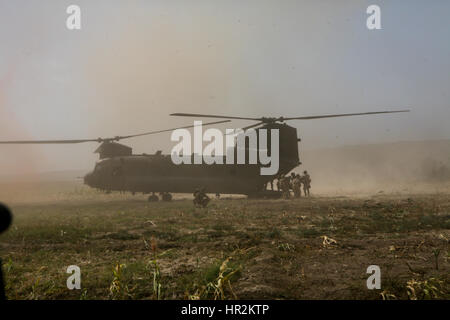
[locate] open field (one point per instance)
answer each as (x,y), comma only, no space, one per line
(129,248)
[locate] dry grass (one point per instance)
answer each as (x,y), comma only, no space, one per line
(128,248)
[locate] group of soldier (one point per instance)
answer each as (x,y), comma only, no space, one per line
(294,182)
(201,199)
(285,184)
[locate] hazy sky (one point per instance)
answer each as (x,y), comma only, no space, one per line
(134,62)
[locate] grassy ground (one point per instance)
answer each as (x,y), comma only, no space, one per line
(128,248)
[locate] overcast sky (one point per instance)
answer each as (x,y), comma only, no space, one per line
(134,62)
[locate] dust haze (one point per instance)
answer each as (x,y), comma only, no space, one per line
(402,167)
(132,65)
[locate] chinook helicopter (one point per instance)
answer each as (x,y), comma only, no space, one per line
(118,169)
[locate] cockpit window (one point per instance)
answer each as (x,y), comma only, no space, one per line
(99,166)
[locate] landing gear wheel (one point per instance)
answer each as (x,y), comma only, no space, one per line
(166,197)
(153,198)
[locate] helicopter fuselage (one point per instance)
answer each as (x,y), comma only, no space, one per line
(158,173)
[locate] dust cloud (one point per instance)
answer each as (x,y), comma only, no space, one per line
(26,159)
(397,167)
(132,65)
(133,85)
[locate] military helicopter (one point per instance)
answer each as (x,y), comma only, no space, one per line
(120,170)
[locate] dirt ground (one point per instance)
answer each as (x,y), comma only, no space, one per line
(309,248)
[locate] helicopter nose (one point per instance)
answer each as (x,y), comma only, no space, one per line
(88,179)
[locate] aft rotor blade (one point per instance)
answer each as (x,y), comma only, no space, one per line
(212,116)
(343,115)
(252,126)
(245,128)
(166,130)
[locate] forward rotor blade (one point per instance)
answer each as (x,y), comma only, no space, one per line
(50,141)
(211,116)
(343,115)
(166,130)
(100,139)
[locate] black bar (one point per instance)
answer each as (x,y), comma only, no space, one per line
(2,283)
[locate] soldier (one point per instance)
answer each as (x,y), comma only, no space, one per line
(285,186)
(196,195)
(292,177)
(204,198)
(306,182)
(201,199)
(196,191)
(279,182)
(297,186)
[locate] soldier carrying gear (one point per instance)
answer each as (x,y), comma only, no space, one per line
(297,186)
(201,199)
(306,183)
(292,177)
